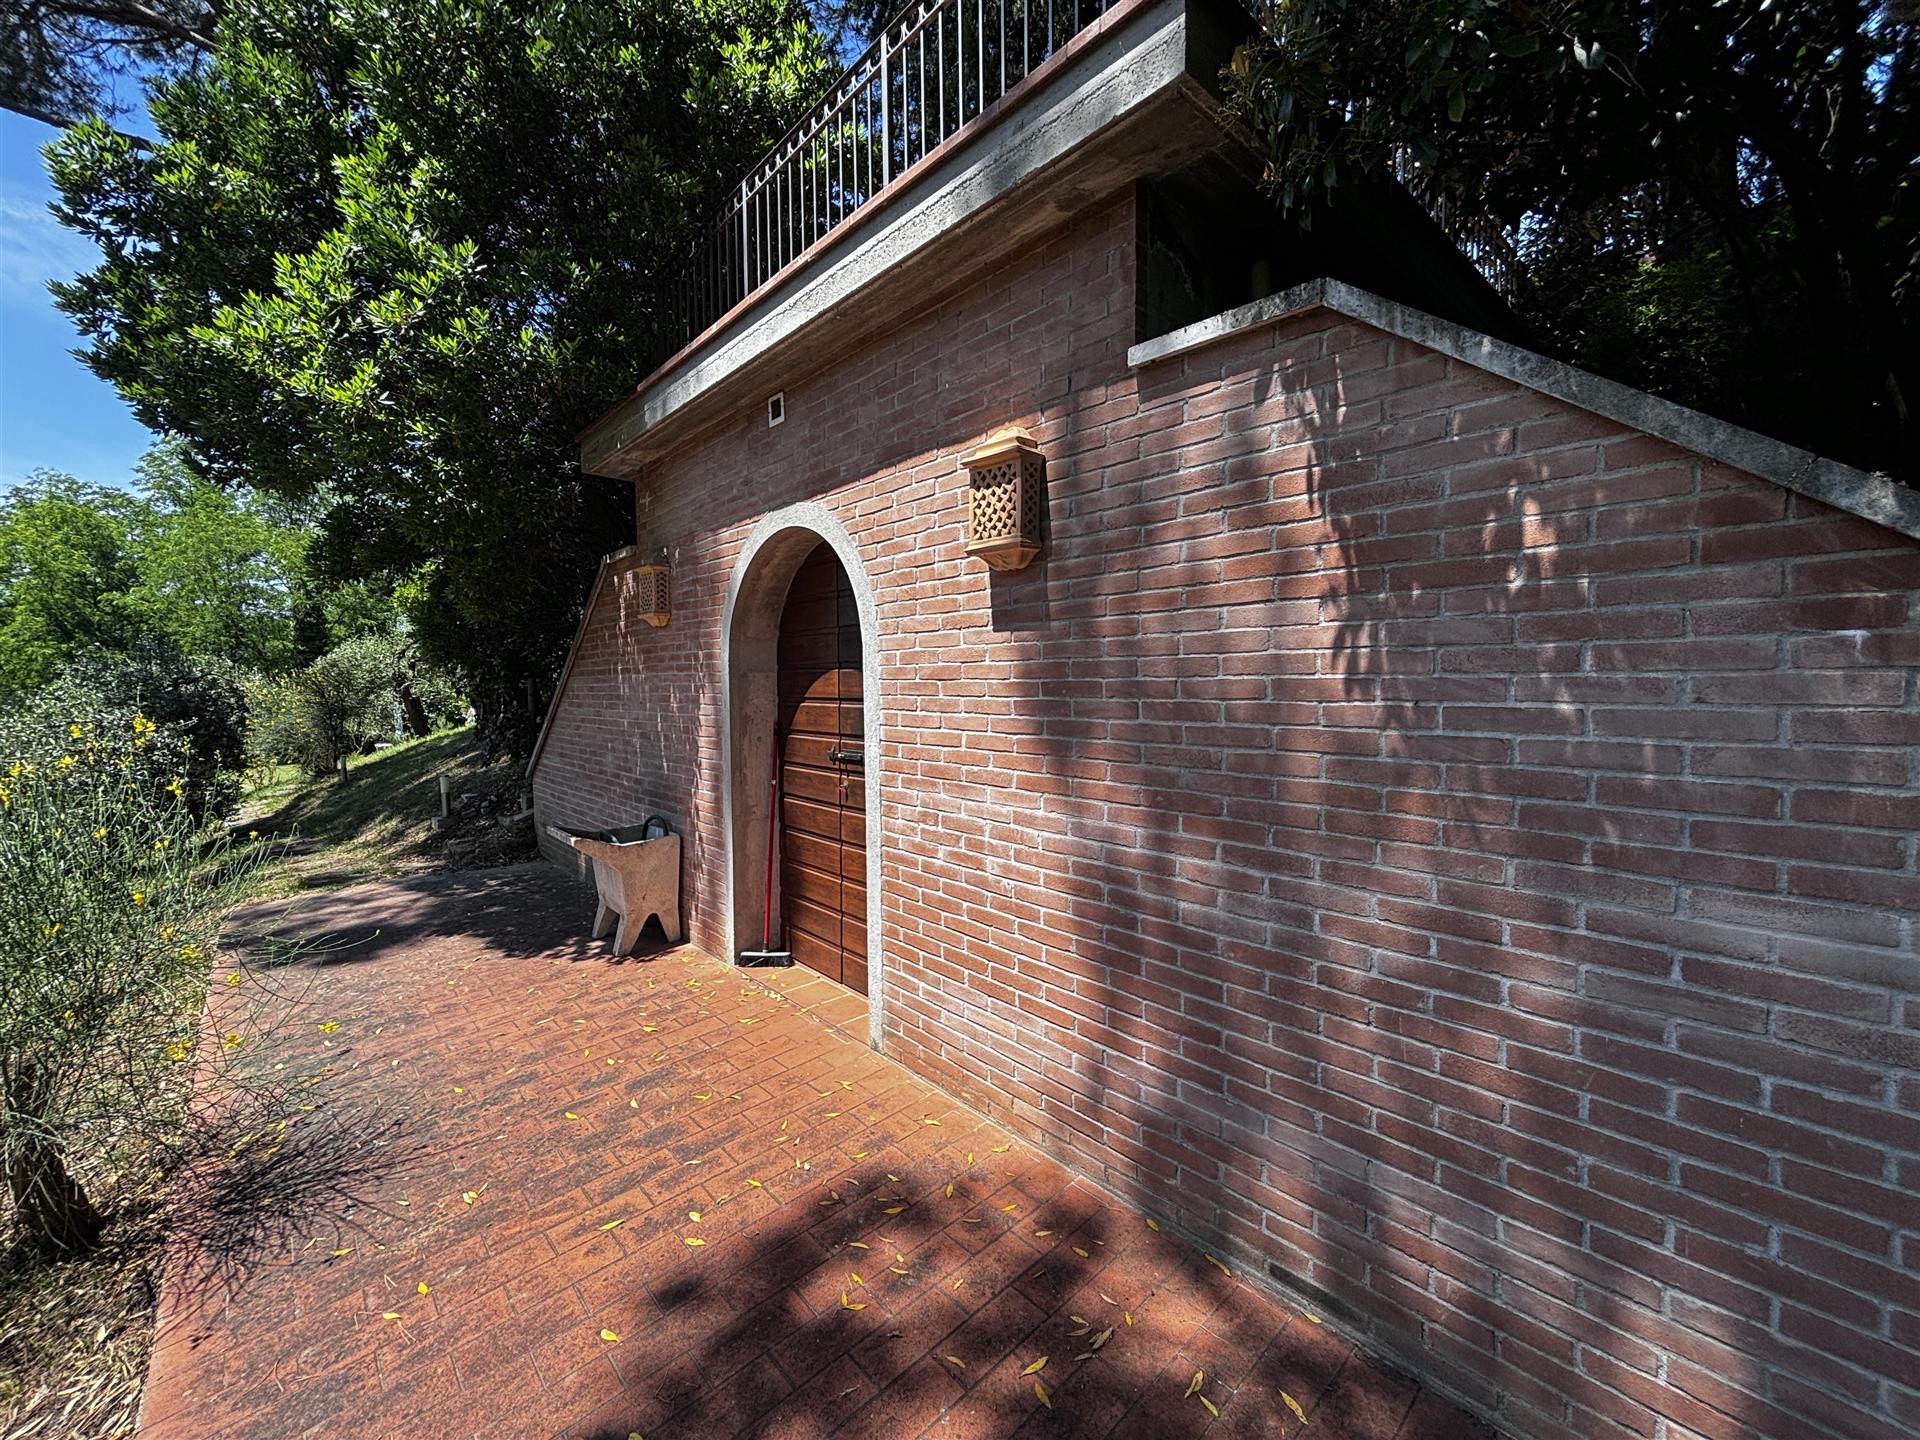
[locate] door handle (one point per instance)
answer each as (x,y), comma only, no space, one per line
(847,757)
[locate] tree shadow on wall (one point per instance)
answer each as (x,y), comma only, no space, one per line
(1290,836)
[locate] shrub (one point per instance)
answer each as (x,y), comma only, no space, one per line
(114,891)
(198,699)
(346,700)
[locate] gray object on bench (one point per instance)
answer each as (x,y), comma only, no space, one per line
(636,872)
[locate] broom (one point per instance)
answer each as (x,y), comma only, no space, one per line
(766,954)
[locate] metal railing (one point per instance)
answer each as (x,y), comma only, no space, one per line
(935,67)
(938,65)
(1487,243)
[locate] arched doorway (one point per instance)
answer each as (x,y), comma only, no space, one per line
(823,800)
(799,652)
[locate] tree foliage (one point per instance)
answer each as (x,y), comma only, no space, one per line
(89,571)
(66,577)
(198,701)
(401,256)
(1734,177)
(59,59)
(346,700)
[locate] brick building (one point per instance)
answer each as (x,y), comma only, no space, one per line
(1434,825)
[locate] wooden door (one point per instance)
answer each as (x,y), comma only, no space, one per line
(823,792)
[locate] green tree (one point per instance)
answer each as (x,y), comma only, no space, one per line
(1734,177)
(59,59)
(400,256)
(65,575)
(218,569)
(87,571)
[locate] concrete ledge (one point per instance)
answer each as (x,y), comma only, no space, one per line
(1858,492)
(608,563)
(1117,71)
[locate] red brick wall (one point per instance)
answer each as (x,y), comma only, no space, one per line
(1407,831)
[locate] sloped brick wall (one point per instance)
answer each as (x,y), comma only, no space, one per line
(1405,831)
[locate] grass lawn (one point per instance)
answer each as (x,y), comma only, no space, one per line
(74,1335)
(377,820)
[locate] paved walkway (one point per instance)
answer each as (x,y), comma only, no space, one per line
(657,1198)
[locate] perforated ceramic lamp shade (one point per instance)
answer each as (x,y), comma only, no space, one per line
(1006,499)
(653,593)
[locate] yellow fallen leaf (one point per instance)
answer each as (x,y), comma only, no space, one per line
(1002,1149)
(571,1116)
(846,1304)
(1008,1209)
(1311,1316)
(949,1188)
(1040,1233)
(1212,1409)
(856,1277)
(1040,1393)
(1152,1224)
(928,1120)
(694,1215)
(707,1096)
(1081,1253)
(695,1240)
(859,1154)
(899,1269)
(458,1090)
(1294,1405)
(633,1104)
(421,1288)
(327,1027)
(833,1114)
(614,1224)
(1222,1268)
(609,1336)
(1199,1379)
(858,1245)
(389,1314)
(343,1250)
(894,1209)
(955,1360)
(753,1182)
(1036,1367)
(467,1197)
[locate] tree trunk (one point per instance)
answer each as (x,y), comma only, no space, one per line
(418,723)
(51,1213)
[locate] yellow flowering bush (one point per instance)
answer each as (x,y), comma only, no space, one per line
(113,893)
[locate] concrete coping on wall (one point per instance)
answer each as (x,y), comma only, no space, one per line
(1858,492)
(608,562)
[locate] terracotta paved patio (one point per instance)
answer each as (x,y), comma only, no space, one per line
(658,1198)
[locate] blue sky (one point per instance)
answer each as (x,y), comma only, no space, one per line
(54,413)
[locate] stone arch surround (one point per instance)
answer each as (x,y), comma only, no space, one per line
(749,638)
